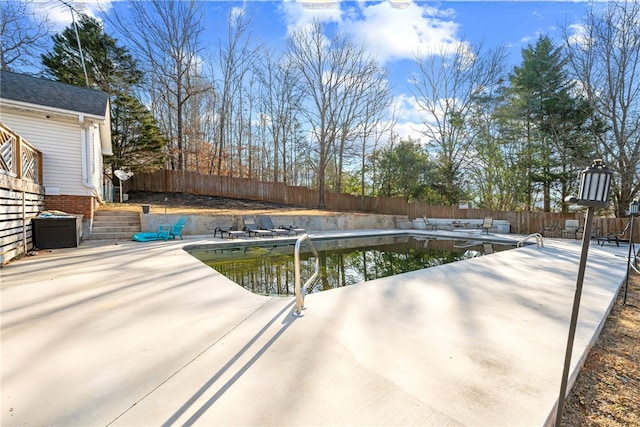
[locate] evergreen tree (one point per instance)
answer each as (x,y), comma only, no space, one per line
(137,141)
(495,171)
(135,137)
(109,67)
(554,122)
(404,170)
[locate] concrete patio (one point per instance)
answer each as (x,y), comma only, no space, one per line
(135,334)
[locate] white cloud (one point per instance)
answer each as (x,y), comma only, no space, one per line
(409,123)
(395,33)
(391,32)
(299,14)
(406,107)
(58,13)
(410,130)
(237,12)
(528,39)
(578,35)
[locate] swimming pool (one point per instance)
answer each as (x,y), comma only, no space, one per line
(267,267)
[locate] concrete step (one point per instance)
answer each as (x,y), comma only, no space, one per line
(116,217)
(116,214)
(115,225)
(114,228)
(120,235)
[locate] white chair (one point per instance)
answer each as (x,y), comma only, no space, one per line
(571,228)
(487,223)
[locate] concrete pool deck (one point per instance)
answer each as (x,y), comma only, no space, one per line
(136,334)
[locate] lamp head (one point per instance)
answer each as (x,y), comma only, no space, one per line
(634,208)
(595,182)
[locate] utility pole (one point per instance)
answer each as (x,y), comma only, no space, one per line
(75,27)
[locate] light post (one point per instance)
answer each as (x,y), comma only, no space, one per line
(633,213)
(593,193)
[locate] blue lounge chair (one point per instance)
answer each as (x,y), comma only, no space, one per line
(147,236)
(173,231)
(165,232)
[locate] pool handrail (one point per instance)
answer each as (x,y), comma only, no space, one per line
(301,291)
(537,236)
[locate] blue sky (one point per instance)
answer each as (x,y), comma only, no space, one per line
(394,30)
(395,33)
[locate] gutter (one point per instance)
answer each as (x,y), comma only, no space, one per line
(8,103)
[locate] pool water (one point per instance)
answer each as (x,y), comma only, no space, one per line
(268,268)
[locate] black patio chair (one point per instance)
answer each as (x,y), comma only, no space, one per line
(267,224)
(251,227)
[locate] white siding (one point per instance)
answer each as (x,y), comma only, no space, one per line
(61,147)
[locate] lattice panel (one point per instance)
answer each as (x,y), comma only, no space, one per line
(29,164)
(8,144)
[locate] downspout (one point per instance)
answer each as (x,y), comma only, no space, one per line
(86,162)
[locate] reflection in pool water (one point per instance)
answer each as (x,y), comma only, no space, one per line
(268,268)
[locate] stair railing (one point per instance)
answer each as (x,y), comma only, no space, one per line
(537,236)
(301,290)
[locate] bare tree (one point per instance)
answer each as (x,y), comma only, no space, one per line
(446,88)
(280,101)
(23,34)
(236,59)
(196,113)
(375,126)
(335,74)
(366,100)
(605,58)
(166,35)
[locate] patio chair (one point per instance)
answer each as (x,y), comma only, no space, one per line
(459,224)
(571,228)
(550,230)
(429,224)
(487,223)
(267,224)
(172,231)
(165,232)
(294,228)
(251,227)
(231,231)
(147,236)
(615,236)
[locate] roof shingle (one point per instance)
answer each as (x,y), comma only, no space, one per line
(39,91)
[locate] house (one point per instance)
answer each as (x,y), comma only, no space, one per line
(70,126)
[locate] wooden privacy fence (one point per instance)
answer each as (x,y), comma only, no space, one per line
(21,193)
(275,192)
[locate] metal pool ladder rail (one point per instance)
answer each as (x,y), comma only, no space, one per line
(302,290)
(537,236)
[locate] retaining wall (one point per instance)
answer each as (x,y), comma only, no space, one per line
(206,224)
